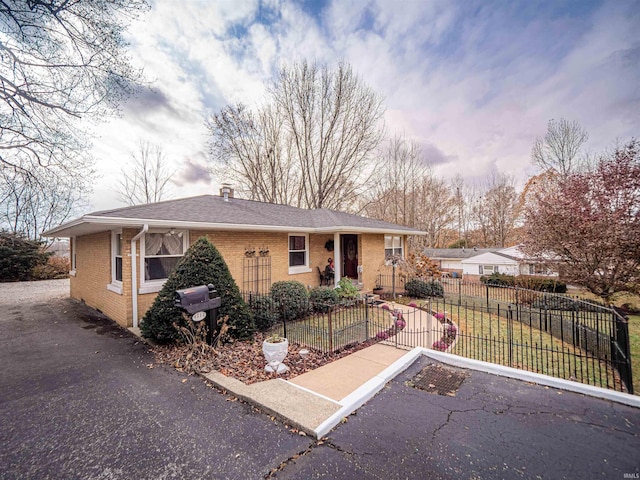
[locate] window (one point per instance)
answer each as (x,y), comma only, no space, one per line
(162,252)
(72,272)
(392,246)
(487,269)
(116,262)
(298,254)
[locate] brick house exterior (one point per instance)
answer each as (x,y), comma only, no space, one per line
(297,240)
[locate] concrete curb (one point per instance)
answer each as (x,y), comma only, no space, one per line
(538,378)
(365,392)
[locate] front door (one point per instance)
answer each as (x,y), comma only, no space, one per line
(350,256)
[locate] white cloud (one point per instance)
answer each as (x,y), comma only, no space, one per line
(475,82)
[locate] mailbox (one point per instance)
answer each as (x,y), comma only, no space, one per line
(197,299)
(200,302)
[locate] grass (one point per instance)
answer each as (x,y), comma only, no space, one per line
(331,331)
(491,338)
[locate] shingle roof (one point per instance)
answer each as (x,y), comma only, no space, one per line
(456,253)
(212,210)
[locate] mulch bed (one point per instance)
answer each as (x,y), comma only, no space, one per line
(244,360)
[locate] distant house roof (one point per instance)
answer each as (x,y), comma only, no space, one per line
(455,253)
(212,212)
(495,258)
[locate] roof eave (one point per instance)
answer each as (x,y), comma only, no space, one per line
(66,229)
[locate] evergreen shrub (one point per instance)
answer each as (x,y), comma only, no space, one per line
(202,264)
(323,298)
(291,299)
(19,256)
(265,312)
(417,288)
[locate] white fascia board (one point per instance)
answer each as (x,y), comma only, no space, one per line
(138,222)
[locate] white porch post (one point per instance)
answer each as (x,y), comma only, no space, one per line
(337,259)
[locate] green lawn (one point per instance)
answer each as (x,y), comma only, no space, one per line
(344,326)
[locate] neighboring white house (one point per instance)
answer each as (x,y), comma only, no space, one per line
(449,259)
(508,261)
(473,263)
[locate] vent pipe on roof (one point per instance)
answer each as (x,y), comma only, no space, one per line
(226,192)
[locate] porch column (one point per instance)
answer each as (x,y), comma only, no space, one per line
(337,259)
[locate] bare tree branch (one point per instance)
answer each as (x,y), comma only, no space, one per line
(146,179)
(559,149)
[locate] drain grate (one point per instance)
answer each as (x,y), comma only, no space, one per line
(437,379)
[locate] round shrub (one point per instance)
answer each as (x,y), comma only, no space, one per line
(417,288)
(265,313)
(291,299)
(439,345)
(323,298)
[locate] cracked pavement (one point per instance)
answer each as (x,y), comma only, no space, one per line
(78,400)
(493,428)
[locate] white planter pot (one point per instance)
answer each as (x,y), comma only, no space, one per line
(274,353)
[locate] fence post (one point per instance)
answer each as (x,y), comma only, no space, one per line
(620,352)
(459,292)
(367,305)
(330,330)
(487,287)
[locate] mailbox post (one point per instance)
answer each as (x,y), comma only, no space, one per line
(201,303)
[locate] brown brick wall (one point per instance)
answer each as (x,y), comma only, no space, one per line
(93,265)
(93,274)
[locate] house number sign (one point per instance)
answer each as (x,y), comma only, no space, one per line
(199,316)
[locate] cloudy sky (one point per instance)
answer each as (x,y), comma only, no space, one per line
(474,82)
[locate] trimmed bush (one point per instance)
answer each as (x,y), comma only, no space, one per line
(19,256)
(202,264)
(346,289)
(540,284)
(417,288)
(265,312)
(291,299)
(323,298)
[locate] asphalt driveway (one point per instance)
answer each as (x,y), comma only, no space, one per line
(79,400)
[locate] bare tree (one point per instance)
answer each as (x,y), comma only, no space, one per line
(60,61)
(436,210)
(29,207)
(398,175)
(310,145)
(495,211)
(559,149)
(253,151)
(146,180)
(463,199)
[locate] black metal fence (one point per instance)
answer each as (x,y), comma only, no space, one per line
(587,328)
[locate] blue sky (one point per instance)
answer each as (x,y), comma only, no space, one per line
(474,82)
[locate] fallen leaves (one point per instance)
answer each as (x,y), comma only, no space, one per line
(244,360)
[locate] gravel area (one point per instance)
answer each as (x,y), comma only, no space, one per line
(33,292)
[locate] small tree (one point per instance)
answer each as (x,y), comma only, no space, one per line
(19,256)
(589,222)
(202,264)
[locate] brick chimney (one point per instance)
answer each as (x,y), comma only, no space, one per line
(226,192)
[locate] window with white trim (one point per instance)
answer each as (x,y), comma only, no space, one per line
(161,253)
(392,246)
(298,253)
(487,269)
(73,256)
(116,262)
